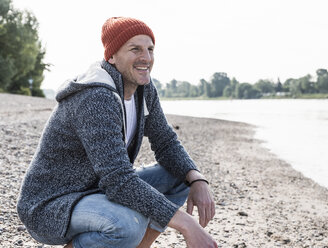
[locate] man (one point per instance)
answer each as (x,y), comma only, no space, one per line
(81,187)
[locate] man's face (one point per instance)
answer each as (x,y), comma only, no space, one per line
(135,60)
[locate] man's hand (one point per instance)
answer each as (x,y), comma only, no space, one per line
(197,237)
(200,196)
(194,234)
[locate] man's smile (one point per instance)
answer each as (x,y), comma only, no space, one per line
(142,68)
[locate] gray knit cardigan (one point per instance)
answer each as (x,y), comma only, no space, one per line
(82,151)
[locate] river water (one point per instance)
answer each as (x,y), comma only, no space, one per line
(295,130)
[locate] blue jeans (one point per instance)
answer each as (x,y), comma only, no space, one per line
(98,223)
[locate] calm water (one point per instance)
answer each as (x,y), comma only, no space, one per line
(295,130)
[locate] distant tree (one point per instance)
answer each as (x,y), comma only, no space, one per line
(21,52)
(183,89)
(265,86)
(218,82)
(278,86)
(171,88)
(159,87)
(295,87)
(247,91)
(174,84)
(300,86)
(230,90)
(201,87)
(205,88)
(4,9)
(227,92)
(322,80)
(306,85)
(234,84)
(286,85)
(194,91)
(157,83)
(7,71)
(7,67)
(168,91)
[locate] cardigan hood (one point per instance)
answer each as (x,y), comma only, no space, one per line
(94,76)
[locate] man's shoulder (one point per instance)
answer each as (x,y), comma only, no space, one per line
(91,96)
(96,91)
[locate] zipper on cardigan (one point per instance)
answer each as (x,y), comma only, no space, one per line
(124,118)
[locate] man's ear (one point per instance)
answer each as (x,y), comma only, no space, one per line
(111,60)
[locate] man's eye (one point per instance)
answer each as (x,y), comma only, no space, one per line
(134,49)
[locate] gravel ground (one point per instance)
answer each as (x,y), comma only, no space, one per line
(260,200)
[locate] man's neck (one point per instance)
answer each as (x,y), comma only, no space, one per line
(129,90)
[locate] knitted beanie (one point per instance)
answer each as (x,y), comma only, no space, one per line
(118,30)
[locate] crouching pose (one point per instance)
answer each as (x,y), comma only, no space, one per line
(81,188)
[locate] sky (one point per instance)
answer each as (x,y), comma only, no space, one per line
(247,39)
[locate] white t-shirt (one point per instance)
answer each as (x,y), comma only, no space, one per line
(131,119)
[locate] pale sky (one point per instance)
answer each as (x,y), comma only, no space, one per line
(247,39)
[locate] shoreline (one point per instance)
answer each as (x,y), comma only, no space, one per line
(294,130)
(261,201)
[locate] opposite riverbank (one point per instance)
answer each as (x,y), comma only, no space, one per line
(260,200)
(302,96)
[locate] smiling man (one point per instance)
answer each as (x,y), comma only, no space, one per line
(81,187)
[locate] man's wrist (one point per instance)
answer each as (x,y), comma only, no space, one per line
(196,180)
(181,221)
(193,175)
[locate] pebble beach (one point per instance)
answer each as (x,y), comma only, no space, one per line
(261,201)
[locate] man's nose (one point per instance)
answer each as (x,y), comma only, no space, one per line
(146,56)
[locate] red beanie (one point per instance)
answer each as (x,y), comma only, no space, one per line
(118,30)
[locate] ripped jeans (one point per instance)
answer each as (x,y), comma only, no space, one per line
(98,223)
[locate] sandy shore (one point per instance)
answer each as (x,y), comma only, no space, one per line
(260,200)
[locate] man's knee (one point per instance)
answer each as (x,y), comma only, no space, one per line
(126,232)
(130,229)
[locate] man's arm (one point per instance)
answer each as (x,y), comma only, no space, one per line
(171,154)
(163,140)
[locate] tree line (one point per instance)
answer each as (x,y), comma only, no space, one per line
(220,85)
(21,52)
